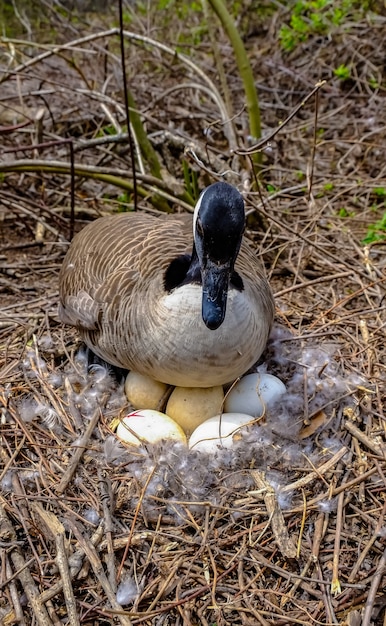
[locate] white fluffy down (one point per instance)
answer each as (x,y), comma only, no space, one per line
(315,379)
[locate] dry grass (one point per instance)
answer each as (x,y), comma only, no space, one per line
(78,513)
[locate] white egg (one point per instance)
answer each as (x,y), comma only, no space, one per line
(190,406)
(144,392)
(218,432)
(149,427)
(253,393)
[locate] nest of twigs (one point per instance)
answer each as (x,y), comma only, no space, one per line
(289,527)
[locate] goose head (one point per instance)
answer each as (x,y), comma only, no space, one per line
(218,226)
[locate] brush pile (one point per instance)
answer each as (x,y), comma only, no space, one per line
(287,527)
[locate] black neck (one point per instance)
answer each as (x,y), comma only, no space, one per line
(185,269)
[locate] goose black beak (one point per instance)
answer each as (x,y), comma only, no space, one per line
(215,284)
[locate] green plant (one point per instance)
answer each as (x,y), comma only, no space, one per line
(318,17)
(244,67)
(374,84)
(125,202)
(185,12)
(376,232)
(191,181)
(108,130)
(18,19)
(327,187)
(343,212)
(342,72)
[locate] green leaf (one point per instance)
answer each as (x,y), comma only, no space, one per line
(376,232)
(342,72)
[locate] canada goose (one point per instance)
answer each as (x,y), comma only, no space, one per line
(186,306)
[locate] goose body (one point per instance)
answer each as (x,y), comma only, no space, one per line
(186,304)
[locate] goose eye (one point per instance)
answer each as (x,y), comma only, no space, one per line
(199,228)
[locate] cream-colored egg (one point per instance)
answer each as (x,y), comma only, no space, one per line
(218,432)
(190,406)
(149,427)
(144,392)
(253,394)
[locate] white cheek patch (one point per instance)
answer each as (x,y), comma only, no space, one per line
(196,212)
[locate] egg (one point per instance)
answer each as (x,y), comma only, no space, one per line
(253,393)
(190,406)
(143,392)
(149,426)
(218,432)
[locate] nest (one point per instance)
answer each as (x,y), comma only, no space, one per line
(288,527)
